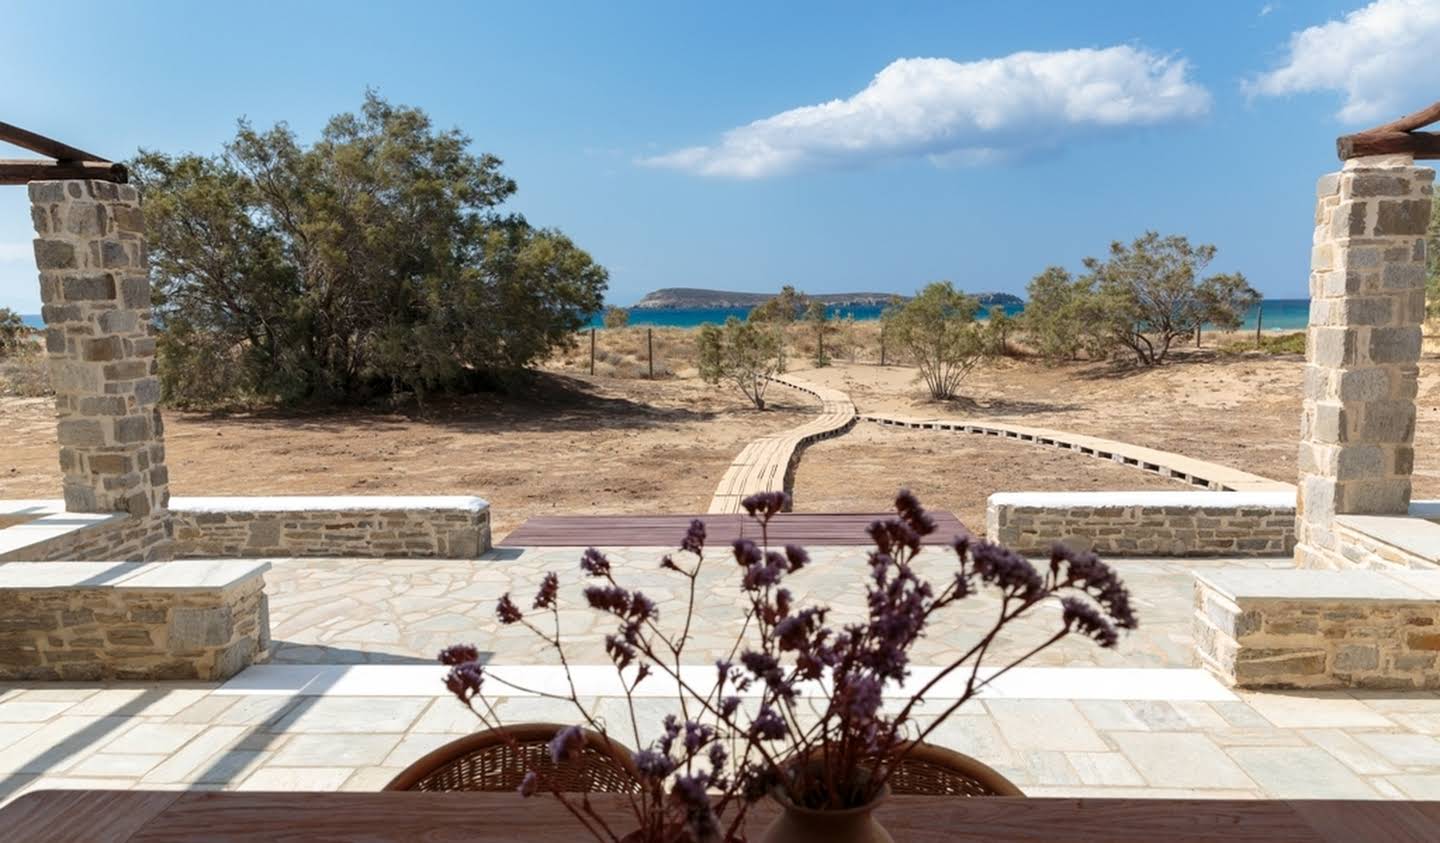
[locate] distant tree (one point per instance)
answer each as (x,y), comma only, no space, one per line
(13,332)
(998,325)
(616,317)
(1146,295)
(1051,317)
(937,329)
(787,307)
(818,319)
(1432,253)
(743,354)
(371,262)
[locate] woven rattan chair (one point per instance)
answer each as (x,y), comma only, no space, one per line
(497,760)
(930,770)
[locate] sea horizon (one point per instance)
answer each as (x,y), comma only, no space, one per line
(1276,314)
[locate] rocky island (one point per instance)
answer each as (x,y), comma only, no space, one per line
(691,298)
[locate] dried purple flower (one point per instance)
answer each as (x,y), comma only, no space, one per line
(697,735)
(763,506)
(961,543)
(913,514)
(763,665)
(718,757)
(609,598)
(594,563)
(506,610)
(692,793)
(459,654)
(656,765)
(694,541)
(796,556)
(861,699)
(566,744)
(746,552)
(762,575)
(668,564)
(620,651)
(768,725)
(728,706)
(549,587)
(1007,569)
(464,680)
(1087,620)
(529,784)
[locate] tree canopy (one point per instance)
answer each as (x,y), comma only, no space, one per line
(743,353)
(937,329)
(373,262)
(12,331)
(1141,298)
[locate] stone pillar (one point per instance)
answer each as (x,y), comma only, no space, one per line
(95,287)
(1367,301)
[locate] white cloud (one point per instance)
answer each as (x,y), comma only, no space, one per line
(1382,57)
(1266,9)
(959,112)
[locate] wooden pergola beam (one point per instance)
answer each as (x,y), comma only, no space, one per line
(70,162)
(24,172)
(45,146)
(1417,144)
(1396,137)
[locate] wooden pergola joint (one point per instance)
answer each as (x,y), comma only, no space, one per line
(67,162)
(1399,137)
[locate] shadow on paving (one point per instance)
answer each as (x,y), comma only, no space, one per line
(82,739)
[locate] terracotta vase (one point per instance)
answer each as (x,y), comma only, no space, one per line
(809,825)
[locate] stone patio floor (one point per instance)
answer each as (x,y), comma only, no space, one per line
(352,697)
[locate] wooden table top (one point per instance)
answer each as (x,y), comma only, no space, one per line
(118,816)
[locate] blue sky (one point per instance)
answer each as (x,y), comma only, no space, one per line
(1036,133)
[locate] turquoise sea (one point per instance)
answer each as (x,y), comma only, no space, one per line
(1280,314)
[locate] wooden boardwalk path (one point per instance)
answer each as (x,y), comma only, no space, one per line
(803,528)
(1207,475)
(768,463)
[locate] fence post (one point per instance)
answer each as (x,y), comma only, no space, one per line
(592,351)
(882,347)
(650,350)
(1197,336)
(1259,320)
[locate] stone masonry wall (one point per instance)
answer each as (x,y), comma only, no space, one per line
(1311,643)
(1367,291)
(95,289)
(121,539)
(1143,530)
(1361,550)
(93,634)
(442,533)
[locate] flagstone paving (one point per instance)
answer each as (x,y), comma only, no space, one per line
(346,611)
(1070,725)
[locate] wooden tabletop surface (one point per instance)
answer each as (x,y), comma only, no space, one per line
(101,816)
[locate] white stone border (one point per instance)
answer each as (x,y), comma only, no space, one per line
(326,503)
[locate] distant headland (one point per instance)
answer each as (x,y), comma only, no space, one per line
(690,298)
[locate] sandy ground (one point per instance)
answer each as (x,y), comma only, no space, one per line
(592,446)
(861,471)
(1240,411)
(614,444)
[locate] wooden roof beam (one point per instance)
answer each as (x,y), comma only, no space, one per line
(45,146)
(24,172)
(1396,137)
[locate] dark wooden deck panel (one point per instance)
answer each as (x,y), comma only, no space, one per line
(805,528)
